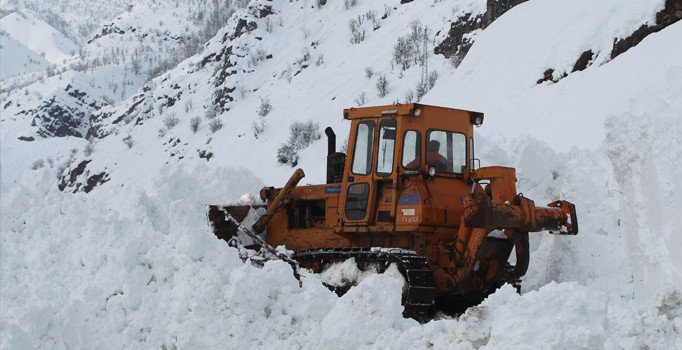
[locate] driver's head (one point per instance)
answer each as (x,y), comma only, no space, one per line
(433,146)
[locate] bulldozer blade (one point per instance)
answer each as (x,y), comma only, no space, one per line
(218,217)
(226,221)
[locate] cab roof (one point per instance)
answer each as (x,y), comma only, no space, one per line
(396,110)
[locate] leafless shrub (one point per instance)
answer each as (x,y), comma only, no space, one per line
(302,134)
(170,121)
(361,99)
(433,76)
(265,107)
(37,164)
(212,112)
(215,124)
(409,96)
(128,140)
(382,85)
(194,124)
(268,24)
(412,49)
(258,127)
(369,72)
(349,3)
(357,33)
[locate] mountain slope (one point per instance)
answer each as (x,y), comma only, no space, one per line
(28,29)
(18,59)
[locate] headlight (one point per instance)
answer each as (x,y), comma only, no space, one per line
(417,112)
(432,171)
(476,118)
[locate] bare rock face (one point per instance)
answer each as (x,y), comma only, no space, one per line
(496,8)
(456,43)
(80,179)
(671,13)
(66,113)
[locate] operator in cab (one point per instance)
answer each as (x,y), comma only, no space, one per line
(433,158)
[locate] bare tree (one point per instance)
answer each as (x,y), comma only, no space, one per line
(194,124)
(128,140)
(357,33)
(215,124)
(382,85)
(170,121)
(369,72)
(361,99)
(265,107)
(302,134)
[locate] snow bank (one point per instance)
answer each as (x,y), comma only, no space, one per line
(644,147)
(140,269)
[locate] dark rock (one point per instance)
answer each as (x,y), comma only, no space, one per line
(455,42)
(243,27)
(95,180)
(205,155)
(496,8)
(548,75)
(264,11)
(584,61)
(671,13)
(73,175)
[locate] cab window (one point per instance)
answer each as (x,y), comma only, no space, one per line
(412,150)
(364,143)
(386,147)
(446,151)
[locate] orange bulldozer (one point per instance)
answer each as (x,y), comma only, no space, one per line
(408,193)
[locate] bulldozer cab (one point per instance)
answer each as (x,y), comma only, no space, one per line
(403,161)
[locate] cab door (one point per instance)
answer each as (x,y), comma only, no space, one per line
(357,184)
(369,167)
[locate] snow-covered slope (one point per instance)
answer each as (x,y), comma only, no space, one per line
(501,71)
(28,29)
(17,58)
(132,262)
(74,18)
(125,52)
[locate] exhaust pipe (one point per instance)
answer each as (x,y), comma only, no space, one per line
(335,160)
(331,140)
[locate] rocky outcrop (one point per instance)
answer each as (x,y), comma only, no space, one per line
(80,179)
(671,13)
(65,113)
(496,8)
(457,43)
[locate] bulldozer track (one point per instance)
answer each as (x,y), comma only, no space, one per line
(418,299)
